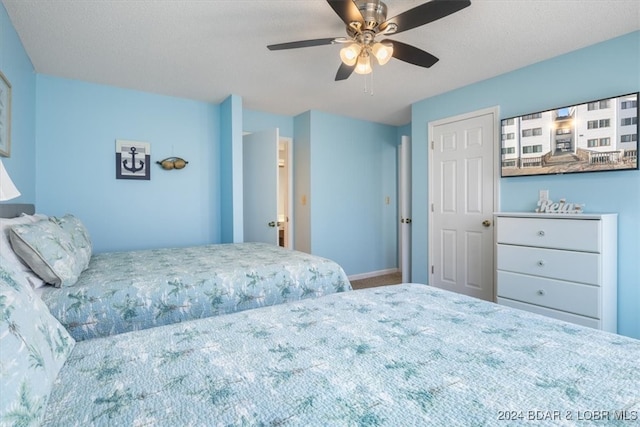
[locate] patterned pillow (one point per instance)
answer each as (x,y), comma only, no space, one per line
(48,250)
(82,246)
(34,348)
(7,251)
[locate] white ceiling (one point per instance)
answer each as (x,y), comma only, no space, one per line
(208,49)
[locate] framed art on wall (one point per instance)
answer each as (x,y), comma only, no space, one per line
(598,135)
(5,116)
(133,160)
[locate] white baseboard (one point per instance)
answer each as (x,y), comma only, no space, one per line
(373,274)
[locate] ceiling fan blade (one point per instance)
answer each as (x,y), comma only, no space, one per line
(303,43)
(346,10)
(411,54)
(344,71)
(423,14)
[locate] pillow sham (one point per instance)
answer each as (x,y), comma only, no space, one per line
(34,348)
(7,251)
(82,247)
(48,250)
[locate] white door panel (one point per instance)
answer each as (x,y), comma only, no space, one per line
(260,186)
(462,197)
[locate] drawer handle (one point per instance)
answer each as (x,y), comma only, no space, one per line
(541,233)
(540,292)
(540,263)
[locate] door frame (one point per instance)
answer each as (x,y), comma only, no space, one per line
(289,161)
(495,111)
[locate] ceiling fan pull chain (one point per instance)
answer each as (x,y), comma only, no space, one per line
(368,88)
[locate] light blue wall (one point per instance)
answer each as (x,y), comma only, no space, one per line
(17,68)
(78,123)
(404,130)
(76,129)
(302,182)
(353,171)
(602,70)
(256,121)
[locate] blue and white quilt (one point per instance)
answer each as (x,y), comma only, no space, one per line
(404,355)
(127,291)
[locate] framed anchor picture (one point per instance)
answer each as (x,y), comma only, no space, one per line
(133,160)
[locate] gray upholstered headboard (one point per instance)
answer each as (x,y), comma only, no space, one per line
(12,210)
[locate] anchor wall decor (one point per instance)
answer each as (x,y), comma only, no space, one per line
(133,160)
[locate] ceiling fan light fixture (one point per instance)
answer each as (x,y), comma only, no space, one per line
(349,54)
(367,19)
(363,65)
(383,52)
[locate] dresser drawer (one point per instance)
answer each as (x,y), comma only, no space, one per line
(566,296)
(570,234)
(583,267)
(560,315)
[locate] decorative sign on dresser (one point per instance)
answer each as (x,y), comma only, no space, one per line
(559,265)
(549,206)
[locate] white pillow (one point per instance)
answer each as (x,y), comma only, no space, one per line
(9,256)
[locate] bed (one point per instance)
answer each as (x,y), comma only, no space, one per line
(126,291)
(397,355)
(111,293)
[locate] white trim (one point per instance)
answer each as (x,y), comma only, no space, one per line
(373,274)
(290,226)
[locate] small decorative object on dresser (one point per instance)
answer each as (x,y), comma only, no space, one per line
(559,265)
(562,207)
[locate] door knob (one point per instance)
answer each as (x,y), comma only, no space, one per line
(272,224)
(486,223)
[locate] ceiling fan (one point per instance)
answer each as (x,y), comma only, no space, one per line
(366,20)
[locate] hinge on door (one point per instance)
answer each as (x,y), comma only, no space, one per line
(432,269)
(432,145)
(432,208)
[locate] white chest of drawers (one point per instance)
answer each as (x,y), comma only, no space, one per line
(559,265)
